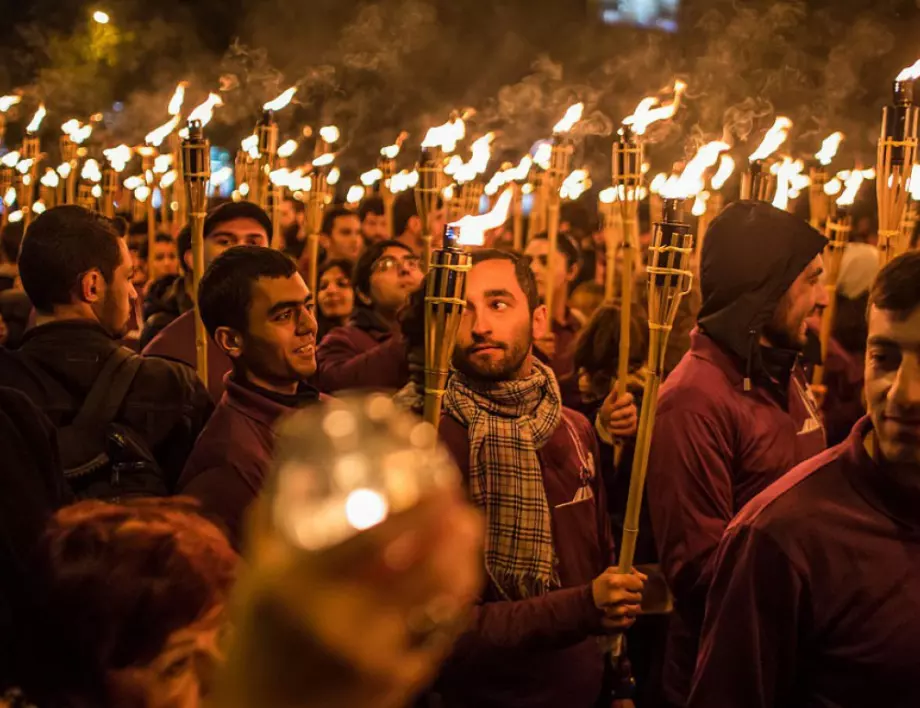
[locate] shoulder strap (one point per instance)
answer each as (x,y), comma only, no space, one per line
(109,389)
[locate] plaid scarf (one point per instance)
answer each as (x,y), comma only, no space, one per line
(508,423)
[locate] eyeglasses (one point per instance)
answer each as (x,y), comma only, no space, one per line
(387,263)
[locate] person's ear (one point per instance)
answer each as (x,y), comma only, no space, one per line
(540,322)
(572,273)
(324,241)
(415,225)
(188,260)
(92,286)
(229,341)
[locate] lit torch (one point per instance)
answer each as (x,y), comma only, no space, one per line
(267,132)
(758,182)
(118,158)
(196,171)
(7,166)
(89,191)
(313,219)
(909,222)
(438,141)
(6,102)
(387,166)
(897,152)
(445,298)
(818,201)
(31,151)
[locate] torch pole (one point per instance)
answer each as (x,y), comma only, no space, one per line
(757,183)
(837,230)
(31,150)
(387,168)
(819,202)
(427,195)
(558,169)
(196,171)
(267,130)
(316,203)
(69,155)
(277,236)
(610,213)
(517,211)
(109,188)
(6,182)
(445,298)
(148,158)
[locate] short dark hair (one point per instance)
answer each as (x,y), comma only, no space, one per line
(225,292)
(597,346)
(229,211)
(144,249)
(522,271)
(60,247)
(299,206)
(361,277)
(333,213)
(897,286)
(371,205)
(184,245)
(404,208)
(11,240)
(566,246)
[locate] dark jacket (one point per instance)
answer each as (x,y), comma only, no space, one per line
(58,363)
(732,417)
(364,354)
(228,467)
(540,652)
(177,343)
(816,589)
(165,300)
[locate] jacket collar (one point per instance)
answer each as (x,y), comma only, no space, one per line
(252,402)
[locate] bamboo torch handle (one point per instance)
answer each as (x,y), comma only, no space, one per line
(551,258)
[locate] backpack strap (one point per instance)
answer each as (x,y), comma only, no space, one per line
(108,391)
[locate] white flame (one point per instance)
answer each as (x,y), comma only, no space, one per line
(81,135)
(726,167)
(575,185)
(473,228)
(287,149)
(15,217)
(7,102)
(914,183)
(250,143)
(390,152)
(833,186)
(50,179)
(572,116)
(784,171)
(11,159)
(853,183)
(403,181)
(657,183)
(544,155)
(39,207)
(482,153)
(221,176)
(142,193)
(691,180)
(25,166)
(330,134)
(648,111)
(335,174)
(281,177)
(70,126)
(448,193)
(162,163)
(671,188)
(911,73)
(324,160)
(133,182)
(454,164)
(775,137)
(37,119)
(169,179)
(699,204)
(521,172)
(10,197)
(829,148)
(156,137)
(608,196)
(371,177)
(445,136)
(118,157)
(64,170)
(178,98)
(91,171)
(281,101)
(96,191)
(355,194)
(205,111)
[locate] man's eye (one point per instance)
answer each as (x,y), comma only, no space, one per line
(499,305)
(177,667)
(283,316)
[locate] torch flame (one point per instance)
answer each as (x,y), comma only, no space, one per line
(286,150)
(403,180)
(390,152)
(575,185)
(648,111)
(118,157)
(330,134)
(726,167)
(221,176)
(162,163)
(784,172)
(50,179)
(37,119)
(853,183)
(39,207)
(9,199)
(473,228)
(156,137)
(447,194)
(572,116)
(205,111)
(335,174)
(7,102)
(64,170)
(691,181)
(81,135)
(829,148)
(16,216)
(454,164)
(178,98)
(281,101)
(96,191)
(324,160)
(833,186)
(482,153)
(281,177)
(70,126)
(671,189)
(544,155)
(91,171)
(446,136)
(699,204)
(521,172)
(608,196)
(169,179)
(911,73)
(11,159)
(24,167)
(914,183)
(133,182)
(142,193)
(657,183)
(775,137)
(355,194)
(372,177)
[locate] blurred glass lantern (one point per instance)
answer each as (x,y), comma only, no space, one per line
(347,465)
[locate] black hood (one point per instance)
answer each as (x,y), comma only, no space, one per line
(752,254)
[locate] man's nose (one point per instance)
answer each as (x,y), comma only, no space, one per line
(905,393)
(824,296)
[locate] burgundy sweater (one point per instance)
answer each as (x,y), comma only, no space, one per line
(714,448)
(816,594)
(353,358)
(540,652)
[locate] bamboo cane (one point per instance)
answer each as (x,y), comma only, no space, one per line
(819,202)
(428,194)
(517,211)
(148,157)
(837,230)
(196,170)
(558,169)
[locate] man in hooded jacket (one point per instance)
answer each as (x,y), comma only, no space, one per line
(736,414)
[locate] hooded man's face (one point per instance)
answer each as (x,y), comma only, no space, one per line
(787,328)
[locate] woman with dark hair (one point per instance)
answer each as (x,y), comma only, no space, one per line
(126,608)
(335,296)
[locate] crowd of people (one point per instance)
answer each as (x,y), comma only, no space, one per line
(778,561)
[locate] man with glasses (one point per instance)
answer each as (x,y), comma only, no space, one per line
(370,352)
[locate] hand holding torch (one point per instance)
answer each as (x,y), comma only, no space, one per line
(196,171)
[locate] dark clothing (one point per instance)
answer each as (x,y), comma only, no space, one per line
(165,300)
(364,354)
(816,590)
(563,363)
(16,310)
(844,375)
(540,652)
(228,467)
(56,367)
(177,343)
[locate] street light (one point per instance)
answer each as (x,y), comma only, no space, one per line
(101,17)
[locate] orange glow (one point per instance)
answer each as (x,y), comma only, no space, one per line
(691,181)
(699,204)
(775,137)
(178,98)
(829,148)
(851,188)
(572,116)
(446,136)
(37,119)
(7,102)
(648,111)
(473,228)
(281,101)
(205,111)
(726,168)
(911,73)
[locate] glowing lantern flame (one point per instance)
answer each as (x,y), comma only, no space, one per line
(829,148)
(324,160)
(657,183)
(11,159)
(853,183)
(287,149)
(178,98)
(7,102)
(473,228)
(372,177)
(726,168)
(205,111)
(9,199)
(335,174)
(355,194)
(911,73)
(118,157)
(648,111)
(64,170)
(281,101)
(37,119)
(330,134)
(156,137)
(446,136)
(390,152)
(699,204)
(544,155)
(691,181)
(775,137)
(169,179)
(575,185)
(133,182)
(91,171)
(50,179)
(572,116)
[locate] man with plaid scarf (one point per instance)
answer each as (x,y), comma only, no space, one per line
(530,466)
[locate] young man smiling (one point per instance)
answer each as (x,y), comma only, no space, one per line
(259,312)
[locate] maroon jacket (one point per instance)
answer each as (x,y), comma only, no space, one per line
(361,355)
(844,374)
(540,652)
(231,459)
(177,342)
(816,594)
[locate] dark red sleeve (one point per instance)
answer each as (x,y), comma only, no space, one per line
(689,488)
(340,366)
(754,616)
(225,495)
